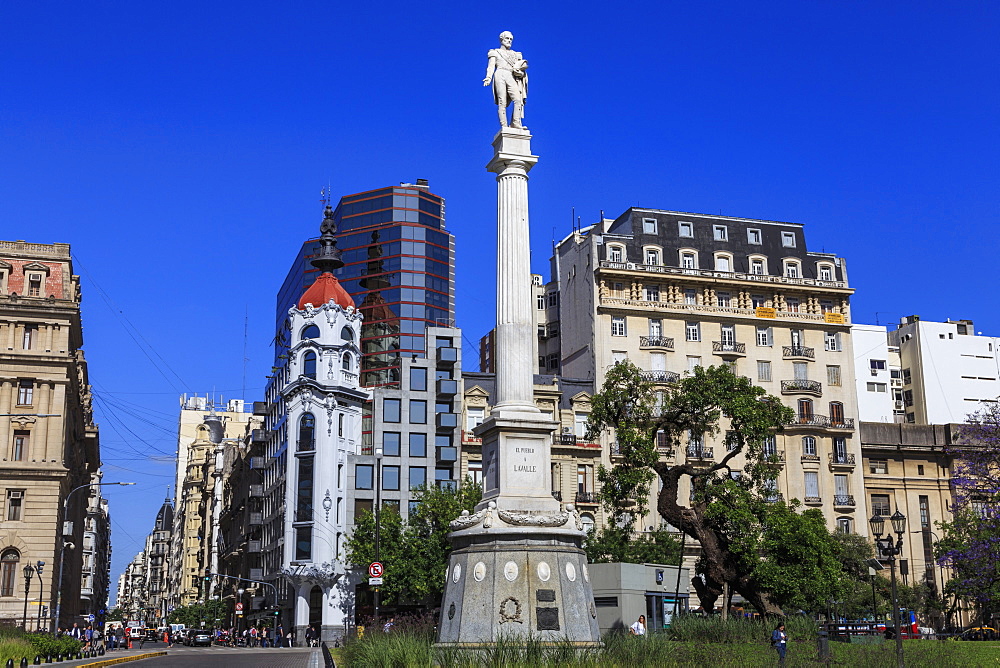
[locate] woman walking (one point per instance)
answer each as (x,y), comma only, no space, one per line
(779,640)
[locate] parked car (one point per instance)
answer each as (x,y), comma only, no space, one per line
(200,637)
(136,632)
(978,633)
(180,634)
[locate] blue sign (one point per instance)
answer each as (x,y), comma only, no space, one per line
(90,618)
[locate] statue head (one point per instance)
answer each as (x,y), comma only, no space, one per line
(506,38)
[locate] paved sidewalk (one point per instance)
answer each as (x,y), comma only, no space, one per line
(116,654)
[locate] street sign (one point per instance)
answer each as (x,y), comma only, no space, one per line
(90,618)
(375,569)
(374,581)
(239,609)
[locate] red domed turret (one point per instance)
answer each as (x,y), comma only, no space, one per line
(325,288)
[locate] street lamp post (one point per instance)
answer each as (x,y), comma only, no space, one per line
(39,567)
(29,572)
(889,549)
(62,545)
(378,517)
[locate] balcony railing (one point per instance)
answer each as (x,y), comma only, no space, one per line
(708,273)
(469,437)
(843,500)
(699,453)
(586,497)
(256,519)
(729,348)
(775,497)
(810,458)
(842,458)
(797,386)
(257,490)
(661,376)
(798,351)
(821,421)
(780,454)
(656,342)
(813,499)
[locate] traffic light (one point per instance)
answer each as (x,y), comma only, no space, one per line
(208,576)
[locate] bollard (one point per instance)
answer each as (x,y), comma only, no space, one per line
(100,650)
(10,663)
(823,643)
(38,660)
(24,662)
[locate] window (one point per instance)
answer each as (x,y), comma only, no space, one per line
(540,302)
(723,263)
(474,417)
(347,334)
(22,439)
(920,469)
(303,543)
(618,289)
(307,432)
(757,267)
(763,371)
(364,475)
(390,410)
(792,270)
(310,332)
(34,285)
(345,362)
(418,411)
(877,387)
(418,378)
(769,447)
(788,239)
(553,362)
(688,260)
(805,410)
(390,477)
(618,356)
(692,331)
(720,233)
(792,304)
(758,301)
(655,327)
(732,440)
(616,254)
(580,424)
(906,376)
(728,335)
(583,478)
(685,229)
(587,520)
(831,341)
(476,472)
(618,326)
(652,293)
(809,446)
(877,365)
(304,491)
(309,364)
(825,306)
(844,525)
(825,272)
(764,336)
(690,296)
(800,371)
(649,225)
(657,362)
(878,466)
(418,476)
(833,375)
(8,571)
(390,443)
(836,412)
(652,257)
(812,485)
(418,444)
(840,451)
(15,500)
(28,338)
(25,392)
(693,362)
(880,504)
(753,236)
(724,299)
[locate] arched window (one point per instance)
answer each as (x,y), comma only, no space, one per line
(588,522)
(8,571)
(844,525)
(809,446)
(307,432)
(310,332)
(616,253)
(651,255)
(309,365)
(723,262)
(345,363)
(347,334)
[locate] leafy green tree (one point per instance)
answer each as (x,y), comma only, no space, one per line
(115,614)
(200,615)
(415,553)
(766,551)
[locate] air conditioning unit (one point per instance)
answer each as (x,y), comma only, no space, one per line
(15,494)
(874,372)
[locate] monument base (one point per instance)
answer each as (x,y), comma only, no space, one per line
(514,575)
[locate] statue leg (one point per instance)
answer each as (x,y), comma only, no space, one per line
(502,113)
(518,114)
(502,100)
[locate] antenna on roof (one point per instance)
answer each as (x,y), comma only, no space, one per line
(325,195)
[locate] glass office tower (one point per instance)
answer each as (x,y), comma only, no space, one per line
(399,265)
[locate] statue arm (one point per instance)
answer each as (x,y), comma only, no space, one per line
(491,67)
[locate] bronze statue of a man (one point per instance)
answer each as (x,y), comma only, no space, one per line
(506,69)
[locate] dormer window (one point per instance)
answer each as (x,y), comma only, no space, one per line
(788,239)
(685,229)
(792,270)
(347,334)
(310,332)
(649,225)
(758,266)
(825,272)
(652,257)
(720,233)
(616,254)
(34,285)
(753,236)
(689,260)
(723,262)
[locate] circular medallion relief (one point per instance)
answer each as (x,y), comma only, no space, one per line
(570,572)
(479,571)
(510,571)
(544,572)
(456,573)
(586,573)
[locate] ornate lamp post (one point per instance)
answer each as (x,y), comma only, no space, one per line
(29,572)
(889,549)
(39,567)
(378,518)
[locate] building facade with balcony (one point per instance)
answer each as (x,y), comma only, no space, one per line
(671,291)
(95,578)
(50,442)
(575,459)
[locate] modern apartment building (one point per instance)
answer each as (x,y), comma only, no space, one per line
(575,459)
(877,374)
(95,578)
(671,291)
(948,369)
(50,442)
(399,266)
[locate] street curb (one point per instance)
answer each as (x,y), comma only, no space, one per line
(123,659)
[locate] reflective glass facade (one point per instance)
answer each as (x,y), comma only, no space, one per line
(399,267)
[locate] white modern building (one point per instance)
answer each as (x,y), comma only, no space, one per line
(877,375)
(948,369)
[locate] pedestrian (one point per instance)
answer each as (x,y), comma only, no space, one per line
(169,637)
(88,636)
(76,632)
(253,636)
(779,641)
(279,636)
(388,625)
(639,628)
(310,635)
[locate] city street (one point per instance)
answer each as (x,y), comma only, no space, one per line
(180,656)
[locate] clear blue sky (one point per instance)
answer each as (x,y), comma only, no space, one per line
(181,148)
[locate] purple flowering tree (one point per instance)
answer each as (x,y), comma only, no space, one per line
(971,542)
